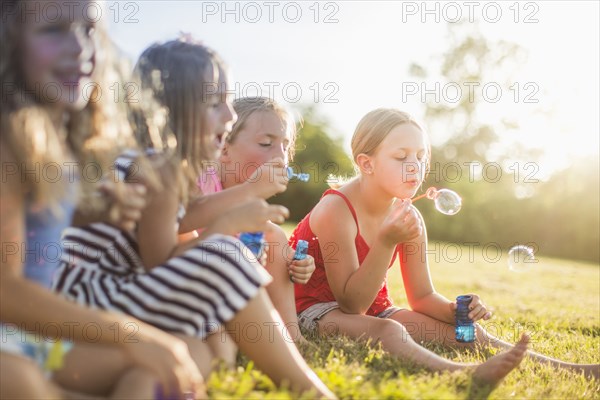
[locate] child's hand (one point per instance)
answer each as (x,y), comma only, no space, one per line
(269,179)
(300,271)
(252,216)
(478,310)
(126,203)
(169,359)
(402,224)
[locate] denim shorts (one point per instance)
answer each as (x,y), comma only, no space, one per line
(309,318)
(47,354)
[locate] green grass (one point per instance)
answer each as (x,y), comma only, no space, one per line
(557,301)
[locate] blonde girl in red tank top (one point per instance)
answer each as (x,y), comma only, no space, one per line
(356,232)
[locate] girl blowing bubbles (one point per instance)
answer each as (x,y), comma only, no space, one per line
(252,165)
(368,221)
(377,221)
(42,128)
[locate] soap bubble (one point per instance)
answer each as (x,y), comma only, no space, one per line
(447,202)
(520,258)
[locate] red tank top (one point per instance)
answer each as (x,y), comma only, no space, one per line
(317,289)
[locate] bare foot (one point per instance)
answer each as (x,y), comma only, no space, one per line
(492,371)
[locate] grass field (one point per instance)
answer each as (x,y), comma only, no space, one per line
(557,301)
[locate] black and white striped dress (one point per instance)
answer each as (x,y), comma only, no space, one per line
(193,293)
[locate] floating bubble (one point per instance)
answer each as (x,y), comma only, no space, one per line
(520,258)
(446,201)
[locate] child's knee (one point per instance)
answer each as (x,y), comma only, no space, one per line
(201,352)
(223,348)
(387,328)
(136,382)
(20,378)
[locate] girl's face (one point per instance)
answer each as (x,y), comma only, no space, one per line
(263,137)
(399,163)
(220,116)
(58,52)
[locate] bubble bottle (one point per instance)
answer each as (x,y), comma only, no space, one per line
(300,254)
(255,241)
(301,250)
(465,329)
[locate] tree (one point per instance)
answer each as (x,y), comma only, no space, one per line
(499,205)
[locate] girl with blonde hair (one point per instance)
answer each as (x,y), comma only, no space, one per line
(252,165)
(355,234)
(375,224)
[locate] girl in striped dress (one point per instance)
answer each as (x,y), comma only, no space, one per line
(201,288)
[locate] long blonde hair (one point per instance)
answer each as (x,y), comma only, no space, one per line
(94,134)
(374,127)
(372,130)
(246,106)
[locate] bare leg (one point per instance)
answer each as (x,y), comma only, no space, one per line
(91,369)
(135,384)
(102,371)
(20,378)
(223,348)
(257,331)
(396,340)
(281,293)
(421,327)
(200,352)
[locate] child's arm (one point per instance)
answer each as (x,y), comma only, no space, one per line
(281,290)
(355,288)
(281,267)
(281,257)
(266,181)
(32,307)
(157,230)
(253,216)
(205,210)
(420,291)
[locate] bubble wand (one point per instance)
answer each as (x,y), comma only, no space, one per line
(446,201)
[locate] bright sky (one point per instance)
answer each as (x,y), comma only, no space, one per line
(352,57)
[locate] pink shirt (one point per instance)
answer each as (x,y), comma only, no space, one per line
(209,182)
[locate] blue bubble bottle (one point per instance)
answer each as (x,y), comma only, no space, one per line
(465,329)
(300,253)
(255,241)
(301,250)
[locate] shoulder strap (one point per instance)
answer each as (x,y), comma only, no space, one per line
(350,207)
